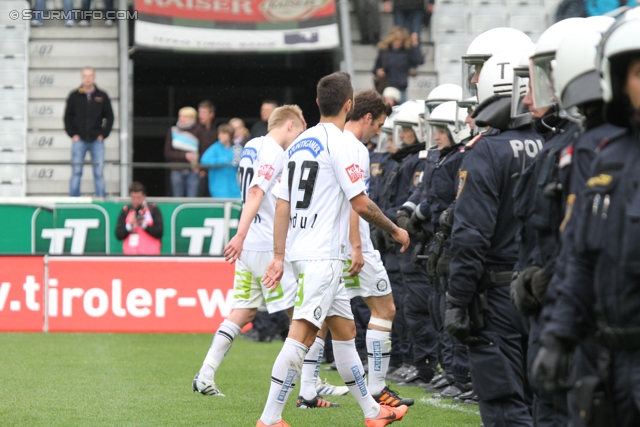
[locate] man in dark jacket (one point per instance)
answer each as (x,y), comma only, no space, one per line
(88,119)
(140,224)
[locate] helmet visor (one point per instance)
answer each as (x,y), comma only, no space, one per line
(542,81)
(471,68)
(520,81)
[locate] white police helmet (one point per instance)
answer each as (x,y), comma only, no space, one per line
(497,76)
(449,115)
(386,133)
(576,80)
(484,46)
(618,46)
(410,114)
(442,93)
(542,60)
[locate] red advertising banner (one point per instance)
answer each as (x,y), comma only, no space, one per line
(21,294)
(120,294)
(239,10)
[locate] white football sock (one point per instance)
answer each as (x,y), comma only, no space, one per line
(350,369)
(286,371)
(311,369)
(222,340)
(379,354)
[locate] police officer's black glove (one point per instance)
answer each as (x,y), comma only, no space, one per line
(377,237)
(389,241)
(415,221)
(442,268)
(456,319)
(403,220)
(521,296)
(418,251)
(432,264)
(539,284)
(550,368)
(446,221)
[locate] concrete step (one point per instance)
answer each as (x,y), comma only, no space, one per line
(57,83)
(54,180)
(418,88)
(55,146)
(12,157)
(56,30)
(49,114)
(12,190)
(72,54)
(13,141)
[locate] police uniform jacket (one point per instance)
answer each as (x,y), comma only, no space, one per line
(484,229)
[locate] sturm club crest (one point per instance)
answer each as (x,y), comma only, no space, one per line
(382,285)
(317,313)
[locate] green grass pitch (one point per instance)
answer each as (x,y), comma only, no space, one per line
(145,380)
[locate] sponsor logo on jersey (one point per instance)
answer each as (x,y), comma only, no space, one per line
(354,172)
(249,153)
(266,171)
(382,285)
(317,313)
(311,145)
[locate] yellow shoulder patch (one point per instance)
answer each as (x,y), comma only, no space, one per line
(462,179)
(417,178)
(601,180)
(571,200)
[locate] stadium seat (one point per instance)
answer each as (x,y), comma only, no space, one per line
(484,2)
(12,111)
(523,3)
(13,48)
(449,78)
(13,141)
(452,38)
(439,2)
(13,78)
(485,18)
(529,24)
(452,67)
(450,18)
(449,52)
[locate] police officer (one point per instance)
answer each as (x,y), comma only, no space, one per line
(450,133)
(602,272)
(540,205)
(403,180)
(382,163)
(484,251)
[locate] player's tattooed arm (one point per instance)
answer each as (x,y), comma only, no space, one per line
(374,216)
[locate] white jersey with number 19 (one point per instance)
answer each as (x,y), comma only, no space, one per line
(261,165)
(321,174)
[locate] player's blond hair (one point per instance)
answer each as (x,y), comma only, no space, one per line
(283,114)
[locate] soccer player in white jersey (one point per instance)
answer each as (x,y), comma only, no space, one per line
(365,275)
(321,182)
(252,246)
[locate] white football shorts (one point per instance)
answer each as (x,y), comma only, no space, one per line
(372,281)
(321,291)
(250,293)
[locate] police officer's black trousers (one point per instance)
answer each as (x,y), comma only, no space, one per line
(548,410)
(438,308)
(498,364)
(458,365)
(584,363)
(625,373)
(417,303)
(400,342)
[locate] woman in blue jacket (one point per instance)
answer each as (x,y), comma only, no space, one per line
(398,55)
(223,181)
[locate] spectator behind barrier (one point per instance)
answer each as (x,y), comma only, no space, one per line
(223,181)
(108,6)
(260,128)
(410,14)
(206,118)
(368,15)
(88,118)
(39,9)
(392,96)
(398,57)
(182,145)
(241,134)
(140,224)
